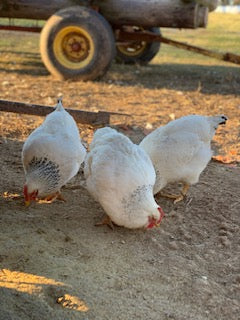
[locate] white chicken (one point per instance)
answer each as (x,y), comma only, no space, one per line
(51,155)
(181,150)
(120,176)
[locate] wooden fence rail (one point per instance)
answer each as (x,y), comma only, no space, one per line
(81,116)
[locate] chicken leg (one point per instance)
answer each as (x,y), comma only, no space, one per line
(176,197)
(105,221)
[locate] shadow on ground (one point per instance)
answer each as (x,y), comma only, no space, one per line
(212,79)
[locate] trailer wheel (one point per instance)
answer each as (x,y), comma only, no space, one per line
(138,51)
(78,43)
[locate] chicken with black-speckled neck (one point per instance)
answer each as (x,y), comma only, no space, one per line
(51,156)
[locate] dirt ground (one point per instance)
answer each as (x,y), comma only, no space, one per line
(55,264)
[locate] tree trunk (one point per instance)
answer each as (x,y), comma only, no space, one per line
(210,4)
(39,9)
(202,17)
(150,13)
(142,13)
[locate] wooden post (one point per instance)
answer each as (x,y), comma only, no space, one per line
(81,116)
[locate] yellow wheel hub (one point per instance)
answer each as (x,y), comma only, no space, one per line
(73,47)
(135,48)
(132,49)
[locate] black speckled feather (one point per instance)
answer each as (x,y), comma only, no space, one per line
(47,169)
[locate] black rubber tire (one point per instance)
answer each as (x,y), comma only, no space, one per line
(101,37)
(150,51)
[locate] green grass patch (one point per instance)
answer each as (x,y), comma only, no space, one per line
(222,34)
(21,22)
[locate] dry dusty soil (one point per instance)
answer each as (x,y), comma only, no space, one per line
(56,264)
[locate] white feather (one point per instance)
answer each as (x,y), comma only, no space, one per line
(58,140)
(181,150)
(120,175)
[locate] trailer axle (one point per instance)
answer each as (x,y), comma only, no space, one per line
(123,36)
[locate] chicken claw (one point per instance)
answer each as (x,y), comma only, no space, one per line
(176,197)
(60,197)
(51,198)
(105,221)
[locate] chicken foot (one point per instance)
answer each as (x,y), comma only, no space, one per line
(176,197)
(105,221)
(52,197)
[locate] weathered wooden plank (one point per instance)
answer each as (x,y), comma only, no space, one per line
(81,116)
(151,37)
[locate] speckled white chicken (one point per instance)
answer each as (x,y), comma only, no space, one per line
(120,176)
(51,155)
(181,150)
